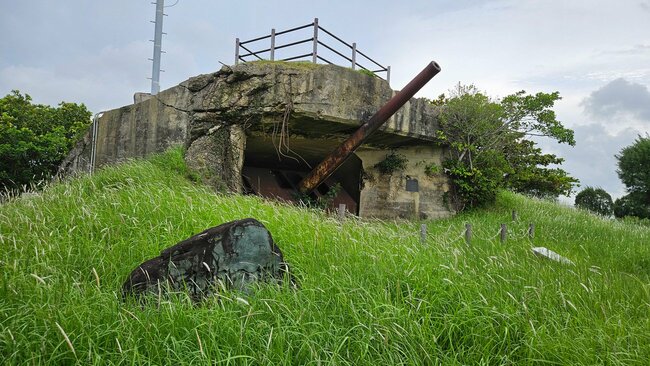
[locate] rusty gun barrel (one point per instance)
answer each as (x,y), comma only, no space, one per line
(326,167)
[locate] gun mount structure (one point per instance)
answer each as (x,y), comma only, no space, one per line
(328,166)
(264,127)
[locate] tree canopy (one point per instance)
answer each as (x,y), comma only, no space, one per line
(596,200)
(634,172)
(490,146)
(34,138)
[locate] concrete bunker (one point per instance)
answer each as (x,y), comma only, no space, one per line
(226,121)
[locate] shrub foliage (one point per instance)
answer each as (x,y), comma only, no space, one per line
(596,200)
(393,162)
(634,172)
(489,145)
(34,138)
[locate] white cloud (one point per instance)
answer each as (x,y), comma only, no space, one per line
(619,97)
(102,80)
(45,86)
(593,160)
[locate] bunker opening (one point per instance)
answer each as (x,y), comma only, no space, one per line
(273,173)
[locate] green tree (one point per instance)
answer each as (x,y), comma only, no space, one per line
(596,200)
(634,172)
(35,138)
(490,149)
(530,172)
(632,204)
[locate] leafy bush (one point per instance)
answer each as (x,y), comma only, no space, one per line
(596,200)
(431,169)
(321,202)
(392,163)
(633,204)
(472,187)
(35,138)
(634,172)
(488,149)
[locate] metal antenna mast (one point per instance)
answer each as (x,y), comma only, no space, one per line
(157,47)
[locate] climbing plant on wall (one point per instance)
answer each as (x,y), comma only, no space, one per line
(393,162)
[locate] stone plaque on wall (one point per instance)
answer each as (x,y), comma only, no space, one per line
(412,185)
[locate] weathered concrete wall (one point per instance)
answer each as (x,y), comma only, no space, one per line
(144,128)
(218,157)
(385,195)
(212,115)
(321,99)
(136,130)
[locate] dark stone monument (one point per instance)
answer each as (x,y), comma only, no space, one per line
(233,255)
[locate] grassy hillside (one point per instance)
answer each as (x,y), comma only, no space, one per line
(370,293)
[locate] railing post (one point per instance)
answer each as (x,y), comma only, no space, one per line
(514,215)
(388,74)
(423,233)
(273,44)
(354,56)
(341,211)
(504,233)
(315,50)
(236,51)
(531,231)
(468,233)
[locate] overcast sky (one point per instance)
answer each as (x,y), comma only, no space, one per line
(595,53)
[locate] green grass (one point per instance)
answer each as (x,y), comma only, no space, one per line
(303,65)
(371,293)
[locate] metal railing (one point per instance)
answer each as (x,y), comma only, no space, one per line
(354,54)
